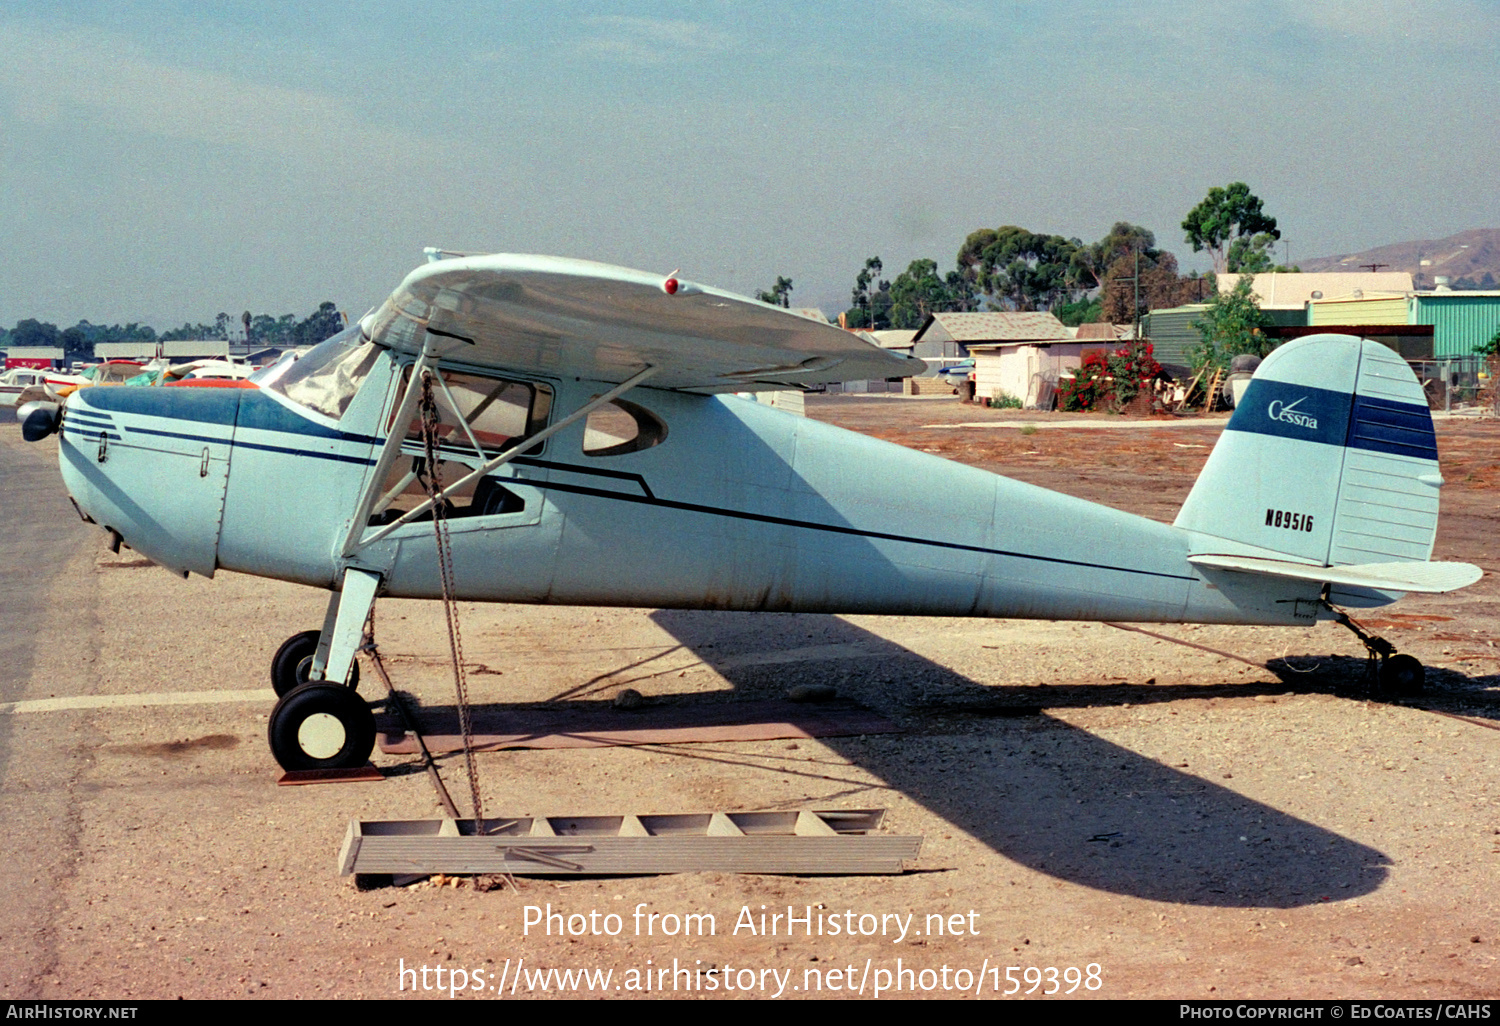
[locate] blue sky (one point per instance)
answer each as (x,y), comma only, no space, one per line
(165,161)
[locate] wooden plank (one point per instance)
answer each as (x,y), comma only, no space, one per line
(722,826)
(632,856)
(365,774)
(348,854)
(810,825)
(801,842)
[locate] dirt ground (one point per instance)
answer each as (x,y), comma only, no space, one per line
(1102,809)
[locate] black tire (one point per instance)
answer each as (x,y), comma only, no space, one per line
(293,660)
(321,726)
(1402,675)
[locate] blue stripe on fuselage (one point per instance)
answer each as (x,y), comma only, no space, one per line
(203,405)
(240,407)
(266,414)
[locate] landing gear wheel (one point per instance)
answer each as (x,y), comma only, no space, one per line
(1402,675)
(293,661)
(321,726)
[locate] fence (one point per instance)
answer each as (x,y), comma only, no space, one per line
(1457,383)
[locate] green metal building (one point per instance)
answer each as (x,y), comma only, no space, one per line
(1460,320)
(1172,333)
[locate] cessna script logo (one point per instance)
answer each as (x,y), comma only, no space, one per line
(1288,413)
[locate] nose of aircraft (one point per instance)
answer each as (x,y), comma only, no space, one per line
(38,420)
(152,464)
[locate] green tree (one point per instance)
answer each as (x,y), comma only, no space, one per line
(1225,216)
(917,292)
(190,332)
(1232,324)
(1020,269)
(32,332)
(324,323)
(1081,311)
(76,343)
(1093,262)
(1490,348)
(871,298)
(1250,254)
(962,293)
(780,294)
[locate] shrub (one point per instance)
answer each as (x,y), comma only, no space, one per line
(1003,400)
(1109,380)
(1490,348)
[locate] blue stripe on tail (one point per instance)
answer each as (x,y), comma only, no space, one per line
(1397,429)
(1335,418)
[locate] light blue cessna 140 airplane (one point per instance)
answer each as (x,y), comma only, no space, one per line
(582,421)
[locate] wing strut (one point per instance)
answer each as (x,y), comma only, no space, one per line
(393,446)
(390,452)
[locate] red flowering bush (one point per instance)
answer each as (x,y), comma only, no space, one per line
(1109,381)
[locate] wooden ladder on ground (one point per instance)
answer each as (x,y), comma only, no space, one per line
(1214,401)
(1212,394)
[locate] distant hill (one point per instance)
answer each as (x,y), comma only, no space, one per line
(1472,255)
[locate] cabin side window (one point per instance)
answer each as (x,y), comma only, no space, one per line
(620,427)
(493,413)
(478,418)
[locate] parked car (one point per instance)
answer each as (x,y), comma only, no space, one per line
(958,373)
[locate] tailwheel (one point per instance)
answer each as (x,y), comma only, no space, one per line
(292,663)
(1402,675)
(321,726)
(1392,673)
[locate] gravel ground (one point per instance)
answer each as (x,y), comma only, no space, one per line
(1165,821)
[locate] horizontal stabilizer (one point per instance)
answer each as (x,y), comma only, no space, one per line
(1426,578)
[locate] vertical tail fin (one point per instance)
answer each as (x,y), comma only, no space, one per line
(1330,458)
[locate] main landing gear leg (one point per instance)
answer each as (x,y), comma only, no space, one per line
(322,725)
(344,625)
(1393,674)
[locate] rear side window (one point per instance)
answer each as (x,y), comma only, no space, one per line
(620,427)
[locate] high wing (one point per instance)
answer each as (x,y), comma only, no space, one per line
(603,323)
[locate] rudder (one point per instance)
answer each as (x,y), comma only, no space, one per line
(1330,457)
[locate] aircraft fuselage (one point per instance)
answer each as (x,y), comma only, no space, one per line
(739,507)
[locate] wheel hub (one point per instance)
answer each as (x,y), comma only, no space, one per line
(321,736)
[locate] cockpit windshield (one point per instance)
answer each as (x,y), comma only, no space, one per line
(327,376)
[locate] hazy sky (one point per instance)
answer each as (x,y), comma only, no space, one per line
(165,161)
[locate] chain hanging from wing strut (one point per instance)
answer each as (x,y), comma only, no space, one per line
(431,421)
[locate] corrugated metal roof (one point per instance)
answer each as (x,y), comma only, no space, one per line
(1290,290)
(1101,330)
(33,352)
(124,350)
(991,327)
(891,338)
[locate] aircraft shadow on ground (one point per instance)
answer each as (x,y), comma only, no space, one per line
(1029,786)
(1047,795)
